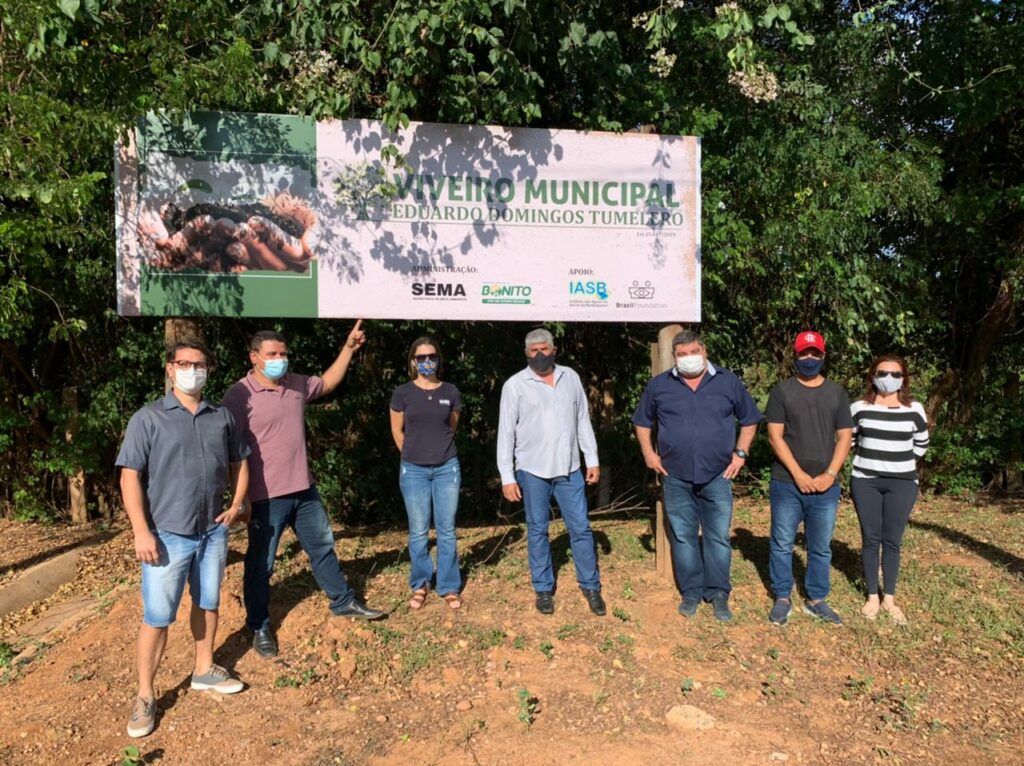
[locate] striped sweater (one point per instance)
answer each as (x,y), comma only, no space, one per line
(887,441)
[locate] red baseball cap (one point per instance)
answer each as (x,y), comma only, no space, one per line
(809,339)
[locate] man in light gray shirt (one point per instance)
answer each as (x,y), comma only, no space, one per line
(543,425)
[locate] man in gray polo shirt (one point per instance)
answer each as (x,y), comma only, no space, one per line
(544,422)
(179,455)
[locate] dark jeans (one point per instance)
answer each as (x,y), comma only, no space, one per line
(701,565)
(570,494)
(304,512)
(883,509)
(817,512)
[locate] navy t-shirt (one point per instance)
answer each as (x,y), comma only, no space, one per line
(429,438)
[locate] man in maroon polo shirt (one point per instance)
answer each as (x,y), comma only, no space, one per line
(269,405)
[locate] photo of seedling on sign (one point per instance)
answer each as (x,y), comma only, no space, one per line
(269,235)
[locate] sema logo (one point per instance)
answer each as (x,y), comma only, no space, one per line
(448,291)
(503,292)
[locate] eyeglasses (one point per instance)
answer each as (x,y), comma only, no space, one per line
(426,357)
(185,364)
(888,374)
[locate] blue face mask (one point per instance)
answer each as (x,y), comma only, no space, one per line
(275,368)
(810,367)
(427,368)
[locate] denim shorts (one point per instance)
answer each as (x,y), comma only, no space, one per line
(197,559)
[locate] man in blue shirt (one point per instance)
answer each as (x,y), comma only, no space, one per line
(179,455)
(544,423)
(696,407)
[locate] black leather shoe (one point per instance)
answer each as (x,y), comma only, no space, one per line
(545,603)
(359,610)
(264,643)
(595,602)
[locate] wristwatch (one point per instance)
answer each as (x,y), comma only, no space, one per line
(831,473)
(741,453)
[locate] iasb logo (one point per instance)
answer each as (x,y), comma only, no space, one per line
(581,289)
(445,290)
(502,292)
(640,292)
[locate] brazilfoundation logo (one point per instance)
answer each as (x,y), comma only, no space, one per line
(641,296)
(638,292)
(503,292)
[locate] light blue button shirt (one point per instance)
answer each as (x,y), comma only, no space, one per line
(542,428)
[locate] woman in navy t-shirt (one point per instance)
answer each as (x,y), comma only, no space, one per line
(424,414)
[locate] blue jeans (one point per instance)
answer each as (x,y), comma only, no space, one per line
(701,572)
(570,494)
(197,559)
(304,512)
(817,511)
(423,486)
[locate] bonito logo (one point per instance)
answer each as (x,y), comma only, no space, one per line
(502,292)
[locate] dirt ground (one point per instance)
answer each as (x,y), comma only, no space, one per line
(498,683)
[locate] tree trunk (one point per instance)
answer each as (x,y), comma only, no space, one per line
(77,498)
(604,487)
(661,360)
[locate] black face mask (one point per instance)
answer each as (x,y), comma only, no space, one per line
(541,362)
(810,366)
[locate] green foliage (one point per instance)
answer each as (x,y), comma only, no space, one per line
(861,175)
(527,707)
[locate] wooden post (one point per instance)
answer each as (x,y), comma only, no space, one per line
(76,481)
(662,359)
(175,329)
(604,486)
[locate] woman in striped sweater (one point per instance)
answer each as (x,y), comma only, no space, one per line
(890,433)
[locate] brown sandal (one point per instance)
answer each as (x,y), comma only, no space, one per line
(453,600)
(418,597)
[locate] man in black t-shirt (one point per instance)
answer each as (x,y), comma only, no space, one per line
(809,429)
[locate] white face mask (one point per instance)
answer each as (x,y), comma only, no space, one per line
(888,384)
(691,365)
(190,381)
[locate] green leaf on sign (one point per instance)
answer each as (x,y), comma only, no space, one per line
(196,183)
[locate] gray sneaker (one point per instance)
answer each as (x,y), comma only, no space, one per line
(143,717)
(217,679)
(822,611)
(779,615)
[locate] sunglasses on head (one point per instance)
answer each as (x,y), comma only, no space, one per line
(426,357)
(887,374)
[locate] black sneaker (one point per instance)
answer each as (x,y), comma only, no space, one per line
(822,611)
(595,602)
(779,615)
(721,607)
(545,602)
(688,606)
